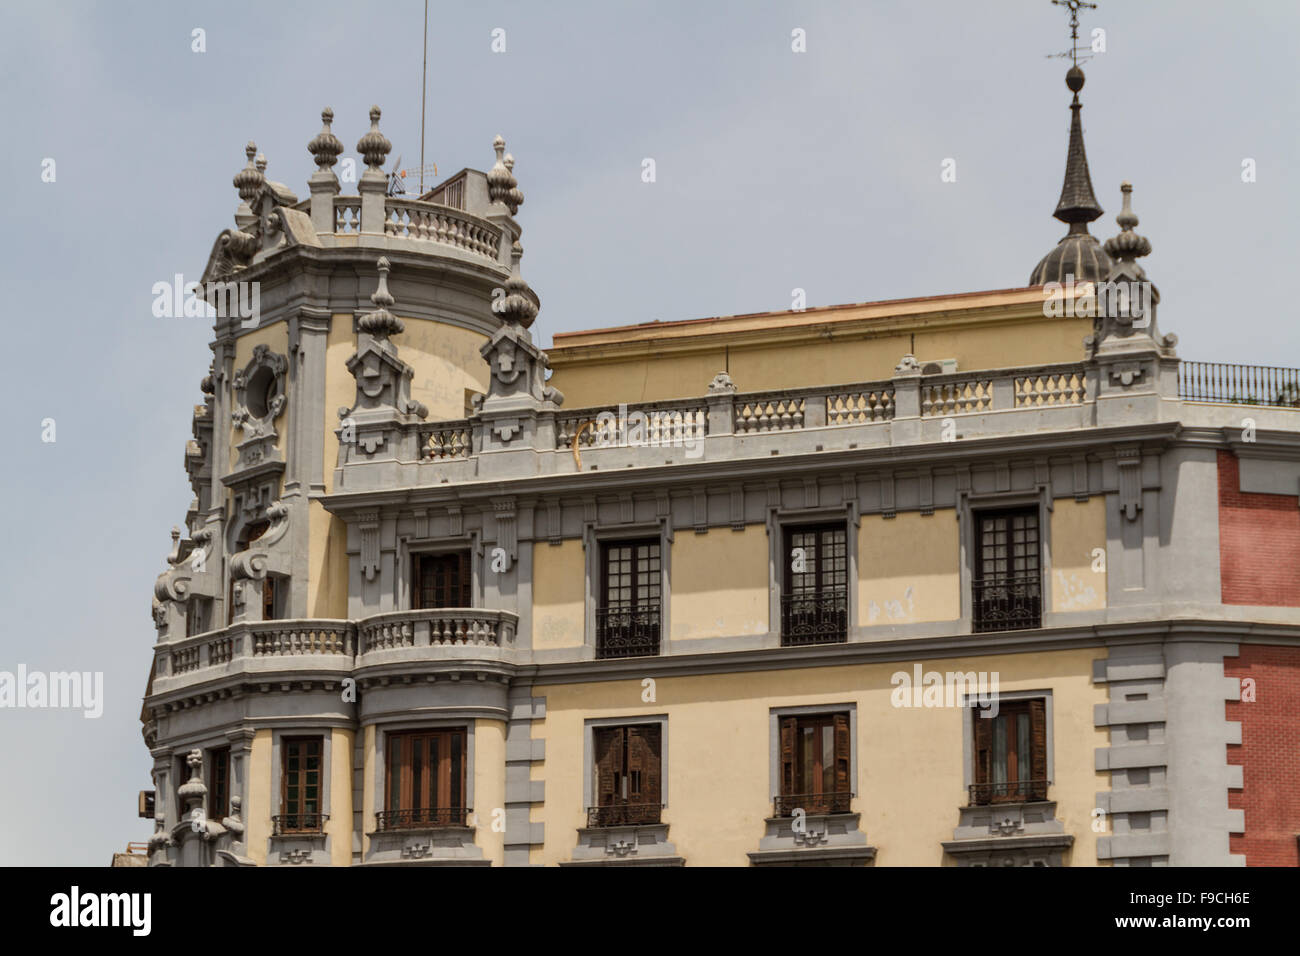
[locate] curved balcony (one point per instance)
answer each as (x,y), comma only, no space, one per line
(334,646)
(435,633)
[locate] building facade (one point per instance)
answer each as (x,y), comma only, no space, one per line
(1020,588)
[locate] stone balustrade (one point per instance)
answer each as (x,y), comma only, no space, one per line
(437,627)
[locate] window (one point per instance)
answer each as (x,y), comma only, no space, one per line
(196,615)
(219,784)
(815,764)
(628,781)
(1007,587)
(271,598)
(1010,753)
(627,617)
(814,600)
(300,786)
(425,780)
(442,580)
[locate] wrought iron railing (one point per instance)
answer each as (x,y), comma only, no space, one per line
(286,823)
(1008,603)
(1239,384)
(814,617)
(422,817)
(1010,791)
(631,631)
(624,815)
(786,804)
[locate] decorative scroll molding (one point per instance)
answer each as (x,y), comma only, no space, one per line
(1129,463)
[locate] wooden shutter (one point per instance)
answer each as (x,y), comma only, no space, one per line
(643,762)
(789,730)
(843,755)
(1038,747)
(609,765)
(983,745)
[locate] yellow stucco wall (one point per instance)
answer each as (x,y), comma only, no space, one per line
(559,595)
(490,789)
(340,389)
(261,801)
(339,825)
(1078,529)
(909,568)
(909,779)
(446,360)
(719,583)
(840,358)
(327,582)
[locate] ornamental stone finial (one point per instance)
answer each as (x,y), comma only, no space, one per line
(1128,245)
(381,323)
(261,165)
(520,303)
(502,186)
(325,148)
(249,179)
(374,145)
(722,384)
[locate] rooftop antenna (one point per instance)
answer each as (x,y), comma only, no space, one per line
(1076,55)
(424,72)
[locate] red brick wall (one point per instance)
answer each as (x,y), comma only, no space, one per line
(1259,543)
(1269,753)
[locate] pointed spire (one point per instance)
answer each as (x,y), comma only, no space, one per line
(1078,205)
(381,323)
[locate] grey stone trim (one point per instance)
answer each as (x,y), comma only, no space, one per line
(522,792)
(1046,850)
(826,839)
(818,856)
(645,845)
(1168,802)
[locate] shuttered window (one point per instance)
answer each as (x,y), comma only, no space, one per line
(816,764)
(1010,753)
(442,580)
(627,766)
(426,779)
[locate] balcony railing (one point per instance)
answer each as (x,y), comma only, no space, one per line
(437,627)
(421,817)
(624,815)
(786,804)
(284,824)
(1011,791)
(1008,603)
(1239,384)
(631,631)
(814,617)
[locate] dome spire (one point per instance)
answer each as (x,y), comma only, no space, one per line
(1078,256)
(1078,205)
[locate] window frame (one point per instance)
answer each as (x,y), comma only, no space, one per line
(598,577)
(431,782)
(465,556)
(969,506)
(589,728)
(1007,513)
(777,715)
(214,758)
(321,799)
(969,707)
(792,527)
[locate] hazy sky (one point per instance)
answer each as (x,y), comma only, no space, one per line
(775,170)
